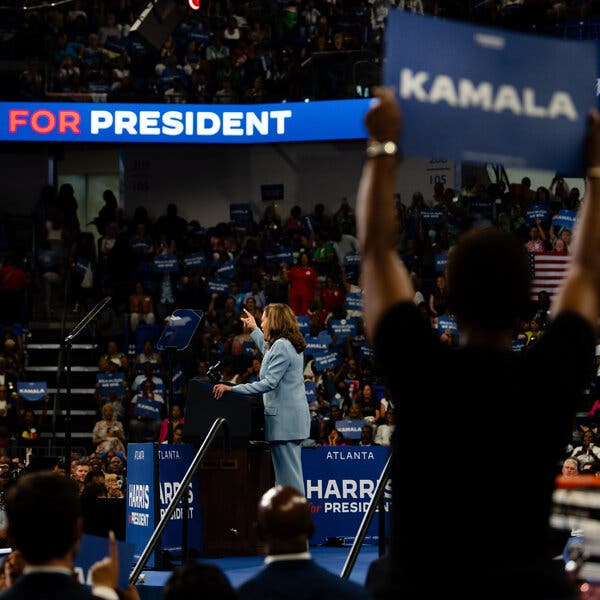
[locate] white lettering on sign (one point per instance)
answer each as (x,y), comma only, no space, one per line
(464,93)
(139,495)
(189,123)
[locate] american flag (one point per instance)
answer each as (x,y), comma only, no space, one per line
(547,270)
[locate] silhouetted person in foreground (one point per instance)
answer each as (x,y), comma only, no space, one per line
(198,579)
(44,523)
(285,524)
(501,516)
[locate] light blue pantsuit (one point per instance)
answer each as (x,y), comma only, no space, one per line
(287,418)
(287,464)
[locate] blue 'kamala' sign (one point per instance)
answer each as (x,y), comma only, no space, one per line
(303,324)
(32,390)
(310,387)
(148,407)
(350,428)
(491,95)
(565,218)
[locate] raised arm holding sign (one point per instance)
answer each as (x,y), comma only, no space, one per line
(488,290)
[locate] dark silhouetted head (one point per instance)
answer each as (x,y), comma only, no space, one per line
(488,280)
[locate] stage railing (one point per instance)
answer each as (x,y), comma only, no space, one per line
(376,500)
(183,489)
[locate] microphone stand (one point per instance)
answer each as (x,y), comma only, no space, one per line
(66,347)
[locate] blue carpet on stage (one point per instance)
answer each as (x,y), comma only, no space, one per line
(240,568)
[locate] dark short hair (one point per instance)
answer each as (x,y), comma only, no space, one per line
(193,577)
(42,509)
(488,279)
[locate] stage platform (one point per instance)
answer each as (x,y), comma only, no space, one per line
(240,568)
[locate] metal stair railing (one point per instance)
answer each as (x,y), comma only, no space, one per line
(183,489)
(366,521)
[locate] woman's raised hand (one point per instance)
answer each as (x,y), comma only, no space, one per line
(249,320)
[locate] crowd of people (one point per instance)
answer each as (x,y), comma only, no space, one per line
(235,52)
(307,260)
(226,52)
(152,265)
(50,568)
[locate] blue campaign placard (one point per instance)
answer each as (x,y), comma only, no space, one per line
(166,263)
(366,352)
(94,548)
(111,382)
(173,462)
(441,260)
(194,261)
(285,255)
(432,216)
(31,391)
(240,212)
(139,512)
(490,95)
(565,218)
(218,286)
(317,345)
(353,301)
(352,259)
(340,482)
(343,327)
(326,361)
(226,270)
(310,387)
(350,428)
(446,323)
(518,344)
(147,407)
(303,324)
(535,211)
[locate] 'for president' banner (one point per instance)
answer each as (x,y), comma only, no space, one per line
(478,94)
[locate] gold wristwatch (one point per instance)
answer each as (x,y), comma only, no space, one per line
(375,149)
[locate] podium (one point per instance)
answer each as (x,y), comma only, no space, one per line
(244,414)
(231,480)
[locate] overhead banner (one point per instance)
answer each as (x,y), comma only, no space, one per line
(478,94)
(192,123)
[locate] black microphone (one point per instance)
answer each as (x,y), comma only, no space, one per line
(213,373)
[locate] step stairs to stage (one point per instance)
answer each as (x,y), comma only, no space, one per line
(43,346)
